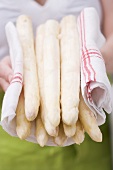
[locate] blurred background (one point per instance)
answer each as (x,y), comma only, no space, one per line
(22,155)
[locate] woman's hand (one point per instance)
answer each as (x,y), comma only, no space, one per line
(6,73)
(107,29)
(107,53)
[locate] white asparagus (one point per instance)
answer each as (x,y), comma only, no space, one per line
(31,88)
(69,130)
(23,126)
(88,121)
(79,136)
(70,70)
(51,59)
(61,138)
(41,134)
(51,130)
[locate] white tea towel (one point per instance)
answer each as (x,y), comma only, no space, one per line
(12,94)
(95,85)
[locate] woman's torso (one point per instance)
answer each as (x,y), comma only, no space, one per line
(53,9)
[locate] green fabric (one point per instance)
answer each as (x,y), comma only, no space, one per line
(21,155)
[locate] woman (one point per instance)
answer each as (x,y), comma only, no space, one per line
(40,11)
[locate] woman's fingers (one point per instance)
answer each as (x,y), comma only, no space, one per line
(7,61)
(6,72)
(4,84)
(106,51)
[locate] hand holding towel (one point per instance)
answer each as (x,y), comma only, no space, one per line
(95,85)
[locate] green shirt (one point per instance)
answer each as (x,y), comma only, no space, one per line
(22,155)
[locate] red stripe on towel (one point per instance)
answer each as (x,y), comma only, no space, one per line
(91,70)
(89,53)
(17,78)
(89,61)
(81,46)
(84,66)
(16,82)
(88,57)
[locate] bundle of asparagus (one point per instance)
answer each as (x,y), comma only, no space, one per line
(51,97)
